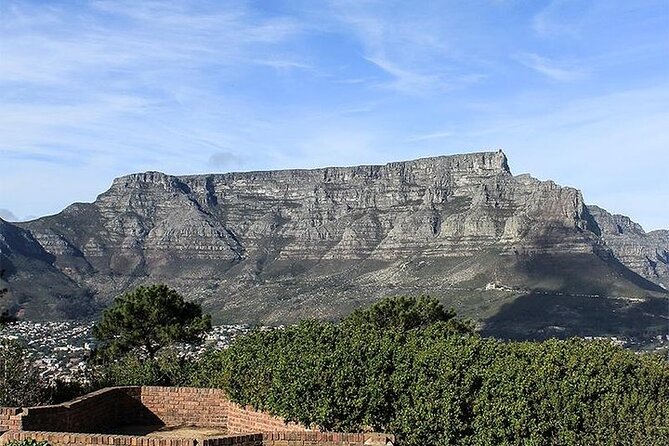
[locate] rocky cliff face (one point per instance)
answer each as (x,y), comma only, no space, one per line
(36,283)
(644,253)
(279,245)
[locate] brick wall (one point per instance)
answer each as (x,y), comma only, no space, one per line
(258,439)
(9,418)
(186,405)
(236,440)
(105,409)
(207,408)
(326,439)
(245,419)
(77,439)
(73,422)
(95,412)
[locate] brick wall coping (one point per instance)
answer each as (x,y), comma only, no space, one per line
(94,439)
(269,438)
(79,400)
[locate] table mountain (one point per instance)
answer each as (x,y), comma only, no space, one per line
(277,246)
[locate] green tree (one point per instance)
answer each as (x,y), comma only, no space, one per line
(20,382)
(169,368)
(401,313)
(5,316)
(146,320)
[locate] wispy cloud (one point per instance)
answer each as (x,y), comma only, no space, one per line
(431,136)
(111,75)
(405,80)
(411,48)
(561,18)
(556,71)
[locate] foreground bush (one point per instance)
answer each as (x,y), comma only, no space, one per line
(428,380)
(167,369)
(20,382)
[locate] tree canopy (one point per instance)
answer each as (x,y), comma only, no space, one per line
(146,320)
(5,316)
(404,313)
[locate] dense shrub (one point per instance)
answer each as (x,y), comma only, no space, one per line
(430,381)
(168,368)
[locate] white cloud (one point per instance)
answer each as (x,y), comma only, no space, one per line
(431,136)
(413,46)
(562,18)
(557,71)
(131,84)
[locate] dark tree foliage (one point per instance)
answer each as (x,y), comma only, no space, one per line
(146,320)
(403,313)
(5,316)
(431,384)
(20,382)
(169,368)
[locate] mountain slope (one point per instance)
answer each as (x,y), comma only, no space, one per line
(277,246)
(38,287)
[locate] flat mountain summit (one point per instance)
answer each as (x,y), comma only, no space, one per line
(523,257)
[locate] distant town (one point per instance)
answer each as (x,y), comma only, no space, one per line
(60,349)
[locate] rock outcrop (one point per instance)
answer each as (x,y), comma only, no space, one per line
(644,253)
(279,245)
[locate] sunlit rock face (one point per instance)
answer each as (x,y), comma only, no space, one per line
(231,240)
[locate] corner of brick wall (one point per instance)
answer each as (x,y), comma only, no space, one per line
(247,419)
(186,405)
(207,407)
(10,418)
(93,412)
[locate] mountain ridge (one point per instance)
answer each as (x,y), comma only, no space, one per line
(273,246)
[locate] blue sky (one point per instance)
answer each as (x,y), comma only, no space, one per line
(574,91)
